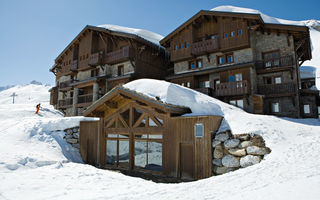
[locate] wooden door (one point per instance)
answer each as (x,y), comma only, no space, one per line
(257,104)
(186,160)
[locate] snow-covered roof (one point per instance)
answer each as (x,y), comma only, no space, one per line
(307,72)
(145,34)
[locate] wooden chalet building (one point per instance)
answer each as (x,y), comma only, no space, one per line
(101,57)
(142,134)
(242,60)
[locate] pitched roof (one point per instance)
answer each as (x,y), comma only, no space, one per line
(130,94)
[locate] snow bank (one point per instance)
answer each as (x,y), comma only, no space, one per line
(147,35)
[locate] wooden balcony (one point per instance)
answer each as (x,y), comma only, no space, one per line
(206,46)
(65,103)
(84,99)
(180,54)
(274,64)
(74,66)
(118,56)
(207,91)
(65,84)
(95,59)
(232,88)
(277,89)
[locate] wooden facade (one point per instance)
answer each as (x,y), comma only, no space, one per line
(95,57)
(137,133)
(241,60)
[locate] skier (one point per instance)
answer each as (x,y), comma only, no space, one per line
(38,108)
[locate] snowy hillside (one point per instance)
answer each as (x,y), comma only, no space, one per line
(26,94)
(36,163)
(313,24)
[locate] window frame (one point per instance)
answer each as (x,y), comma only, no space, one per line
(120,72)
(198,127)
(304,109)
(275,102)
(196,64)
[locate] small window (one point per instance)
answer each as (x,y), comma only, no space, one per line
(120,70)
(199,130)
(182,46)
(188,84)
(240,103)
(233,102)
(275,107)
(277,80)
(213,37)
(177,47)
(207,84)
(233,34)
(225,35)
(239,77)
(182,84)
(187,45)
(199,63)
(192,65)
(239,31)
(306,109)
(229,58)
(221,60)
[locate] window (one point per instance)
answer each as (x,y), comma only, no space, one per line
(233,34)
(195,64)
(239,31)
(207,84)
(120,70)
(182,46)
(177,47)
(231,78)
(221,60)
(182,84)
(275,108)
(213,37)
(187,45)
(277,80)
(188,84)
(237,102)
(95,72)
(229,58)
(225,35)
(306,109)
(216,82)
(271,59)
(198,130)
(239,77)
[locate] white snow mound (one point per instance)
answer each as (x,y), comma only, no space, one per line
(147,35)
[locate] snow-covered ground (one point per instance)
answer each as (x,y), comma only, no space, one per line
(36,163)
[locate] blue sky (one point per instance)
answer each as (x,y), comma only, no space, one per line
(34,32)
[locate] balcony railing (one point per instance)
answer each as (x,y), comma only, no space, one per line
(64,103)
(283,88)
(207,91)
(180,54)
(74,66)
(117,56)
(95,59)
(86,98)
(205,46)
(285,61)
(65,84)
(232,88)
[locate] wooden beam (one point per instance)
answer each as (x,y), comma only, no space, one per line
(111,104)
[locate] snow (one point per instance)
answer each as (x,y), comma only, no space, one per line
(36,163)
(147,35)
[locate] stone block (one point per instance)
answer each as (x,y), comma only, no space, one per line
(249,160)
(257,151)
(230,161)
(218,152)
(231,143)
(72,141)
(222,137)
(237,152)
(245,144)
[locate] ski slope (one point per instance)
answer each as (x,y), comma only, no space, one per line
(36,163)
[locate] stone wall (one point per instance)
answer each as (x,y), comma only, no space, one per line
(232,152)
(240,56)
(72,136)
(113,69)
